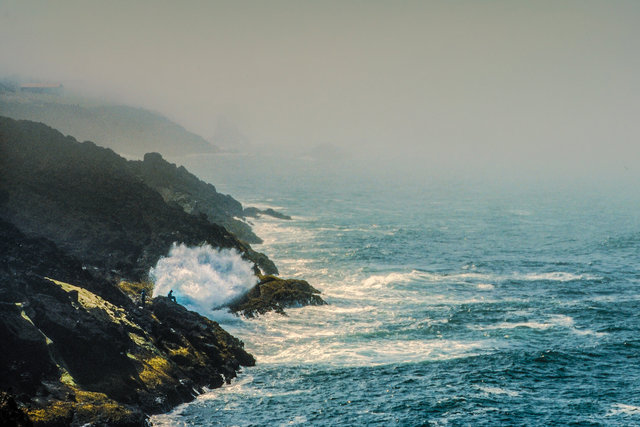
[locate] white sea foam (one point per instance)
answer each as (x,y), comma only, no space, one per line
(513,325)
(385,279)
(556,321)
(498,390)
(203,279)
(169,420)
(342,352)
(483,282)
(279,232)
(484,278)
(551,322)
(623,409)
(555,276)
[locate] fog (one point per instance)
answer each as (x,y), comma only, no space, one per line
(493,89)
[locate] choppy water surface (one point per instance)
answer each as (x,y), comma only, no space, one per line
(443,309)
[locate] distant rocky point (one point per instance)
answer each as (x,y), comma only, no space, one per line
(194,196)
(255,213)
(129,131)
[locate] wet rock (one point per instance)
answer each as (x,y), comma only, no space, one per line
(275,294)
(73,356)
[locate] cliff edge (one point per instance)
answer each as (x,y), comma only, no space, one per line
(80,228)
(71,355)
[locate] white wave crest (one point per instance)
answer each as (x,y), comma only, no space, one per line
(621,408)
(202,278)
(340,352)
(382,280)
(498,390)
(555,276)
(552,322)
(482,281)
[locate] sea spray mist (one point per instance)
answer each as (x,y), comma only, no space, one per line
(202,278)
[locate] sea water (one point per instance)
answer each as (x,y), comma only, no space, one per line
(446,306)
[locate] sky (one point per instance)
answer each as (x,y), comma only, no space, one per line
(484,86)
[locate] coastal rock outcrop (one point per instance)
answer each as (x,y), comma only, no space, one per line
(80,227)
(90,203)
(255,213)
(275,294)
(72,356)
(177,185)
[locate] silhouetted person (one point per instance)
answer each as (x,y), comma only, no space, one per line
(143,297)
(170,296)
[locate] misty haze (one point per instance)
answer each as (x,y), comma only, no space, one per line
(319,213)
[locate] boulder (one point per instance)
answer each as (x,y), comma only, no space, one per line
(272,293)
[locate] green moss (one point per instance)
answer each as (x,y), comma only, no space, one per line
(274,294)
(133,289)
(155,371)
(56,413)
(111,412)
(96,305)
(88,408)
(28,319)
(66,378)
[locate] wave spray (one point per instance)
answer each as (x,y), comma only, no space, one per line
(203,279)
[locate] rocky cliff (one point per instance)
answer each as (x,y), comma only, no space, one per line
(177,185)
(79,229)
(77,350)
(92,204)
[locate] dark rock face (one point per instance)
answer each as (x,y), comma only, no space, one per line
(179,186)
(275,294)
(71,356)
(25,357)
(89,202)
(10,414)
(74,349)
(180,328)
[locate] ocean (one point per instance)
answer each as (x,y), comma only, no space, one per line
(447,305)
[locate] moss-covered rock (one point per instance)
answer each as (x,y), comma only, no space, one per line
(73,356)
(86,408)
(272,293)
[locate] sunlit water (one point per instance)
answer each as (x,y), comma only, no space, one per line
(445,308)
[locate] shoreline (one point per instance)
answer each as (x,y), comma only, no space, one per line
(78,220)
